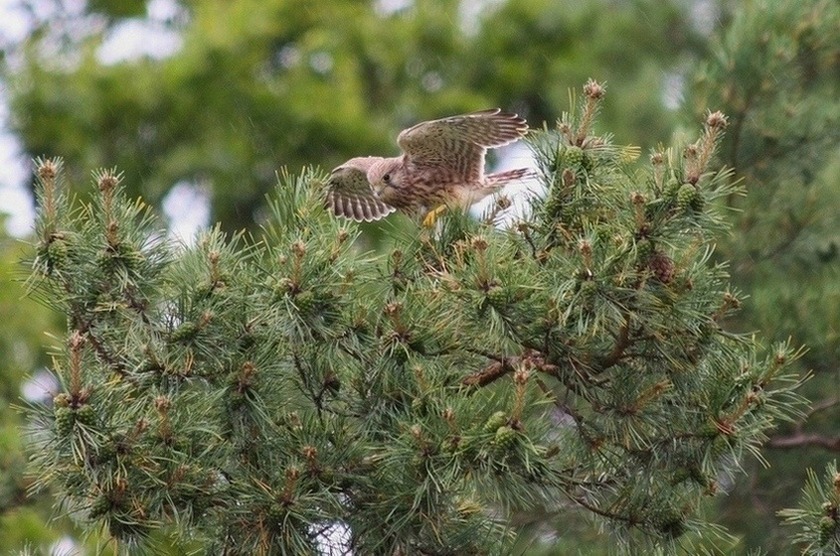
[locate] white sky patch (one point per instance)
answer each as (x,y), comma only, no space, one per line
(65,546)
(138,38)
(520,192)
(187,208)
(15,199)
(390,7)
(40,387)
(673,89)
(334,540)
(705,15)
(164,10)
(321,62)
(13,23)
(471,13)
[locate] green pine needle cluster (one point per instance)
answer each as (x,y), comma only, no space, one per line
(251,394)
(818,517)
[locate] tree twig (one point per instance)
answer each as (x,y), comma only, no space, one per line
(800,439)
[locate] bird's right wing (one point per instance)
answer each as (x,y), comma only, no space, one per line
(350,195)
(459,143)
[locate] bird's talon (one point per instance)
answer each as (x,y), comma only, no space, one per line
(431,217)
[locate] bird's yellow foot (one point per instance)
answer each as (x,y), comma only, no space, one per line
(431,217)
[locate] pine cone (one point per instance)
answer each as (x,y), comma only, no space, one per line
(504,437)
(86,415)
(828,528)
(64,419)
(573,156)
(662,267)
(498,296)
(305,301)
(644,249)
(495,421)
(686,196)
(671,190)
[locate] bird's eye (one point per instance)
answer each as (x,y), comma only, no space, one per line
(386,178)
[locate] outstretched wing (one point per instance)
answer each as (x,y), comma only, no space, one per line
(457,145)
(349,193)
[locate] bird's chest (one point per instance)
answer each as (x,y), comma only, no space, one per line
(424,187)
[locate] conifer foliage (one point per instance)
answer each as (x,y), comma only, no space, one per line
(279,394)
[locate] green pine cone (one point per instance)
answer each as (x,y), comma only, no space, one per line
(55,254)
(670,191)
(698,202)
(86,414)
(495,421)
(644,249)
(130,256)
(276,514)
(686,196)
(828,527)
(64,418)
(497,296)
(305,301)
(184,333)
(573,156)
(505,437)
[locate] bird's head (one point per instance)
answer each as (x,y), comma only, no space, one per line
(385,178)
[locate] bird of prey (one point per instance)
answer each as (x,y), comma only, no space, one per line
(442,164)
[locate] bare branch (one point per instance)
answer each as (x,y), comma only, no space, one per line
(799,440)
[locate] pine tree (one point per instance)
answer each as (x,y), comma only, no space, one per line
(269,395)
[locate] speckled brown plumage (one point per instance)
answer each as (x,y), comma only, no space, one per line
(442,163)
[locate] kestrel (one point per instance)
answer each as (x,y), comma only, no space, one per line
(442,164)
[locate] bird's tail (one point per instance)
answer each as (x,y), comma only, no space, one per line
(493,183)
(500,179)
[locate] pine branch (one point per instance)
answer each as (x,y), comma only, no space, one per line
(502,365)
(800,440)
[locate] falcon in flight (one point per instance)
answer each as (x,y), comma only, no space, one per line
(442,164)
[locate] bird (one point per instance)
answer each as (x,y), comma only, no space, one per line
(441,165)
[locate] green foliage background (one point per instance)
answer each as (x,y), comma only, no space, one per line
(776,73)
(257,85)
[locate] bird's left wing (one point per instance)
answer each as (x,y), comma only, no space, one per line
(350,195)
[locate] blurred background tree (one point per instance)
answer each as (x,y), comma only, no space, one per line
(24,321)
(225,93)
(776,73)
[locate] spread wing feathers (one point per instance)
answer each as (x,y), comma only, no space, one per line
(459,143)
(349,195)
